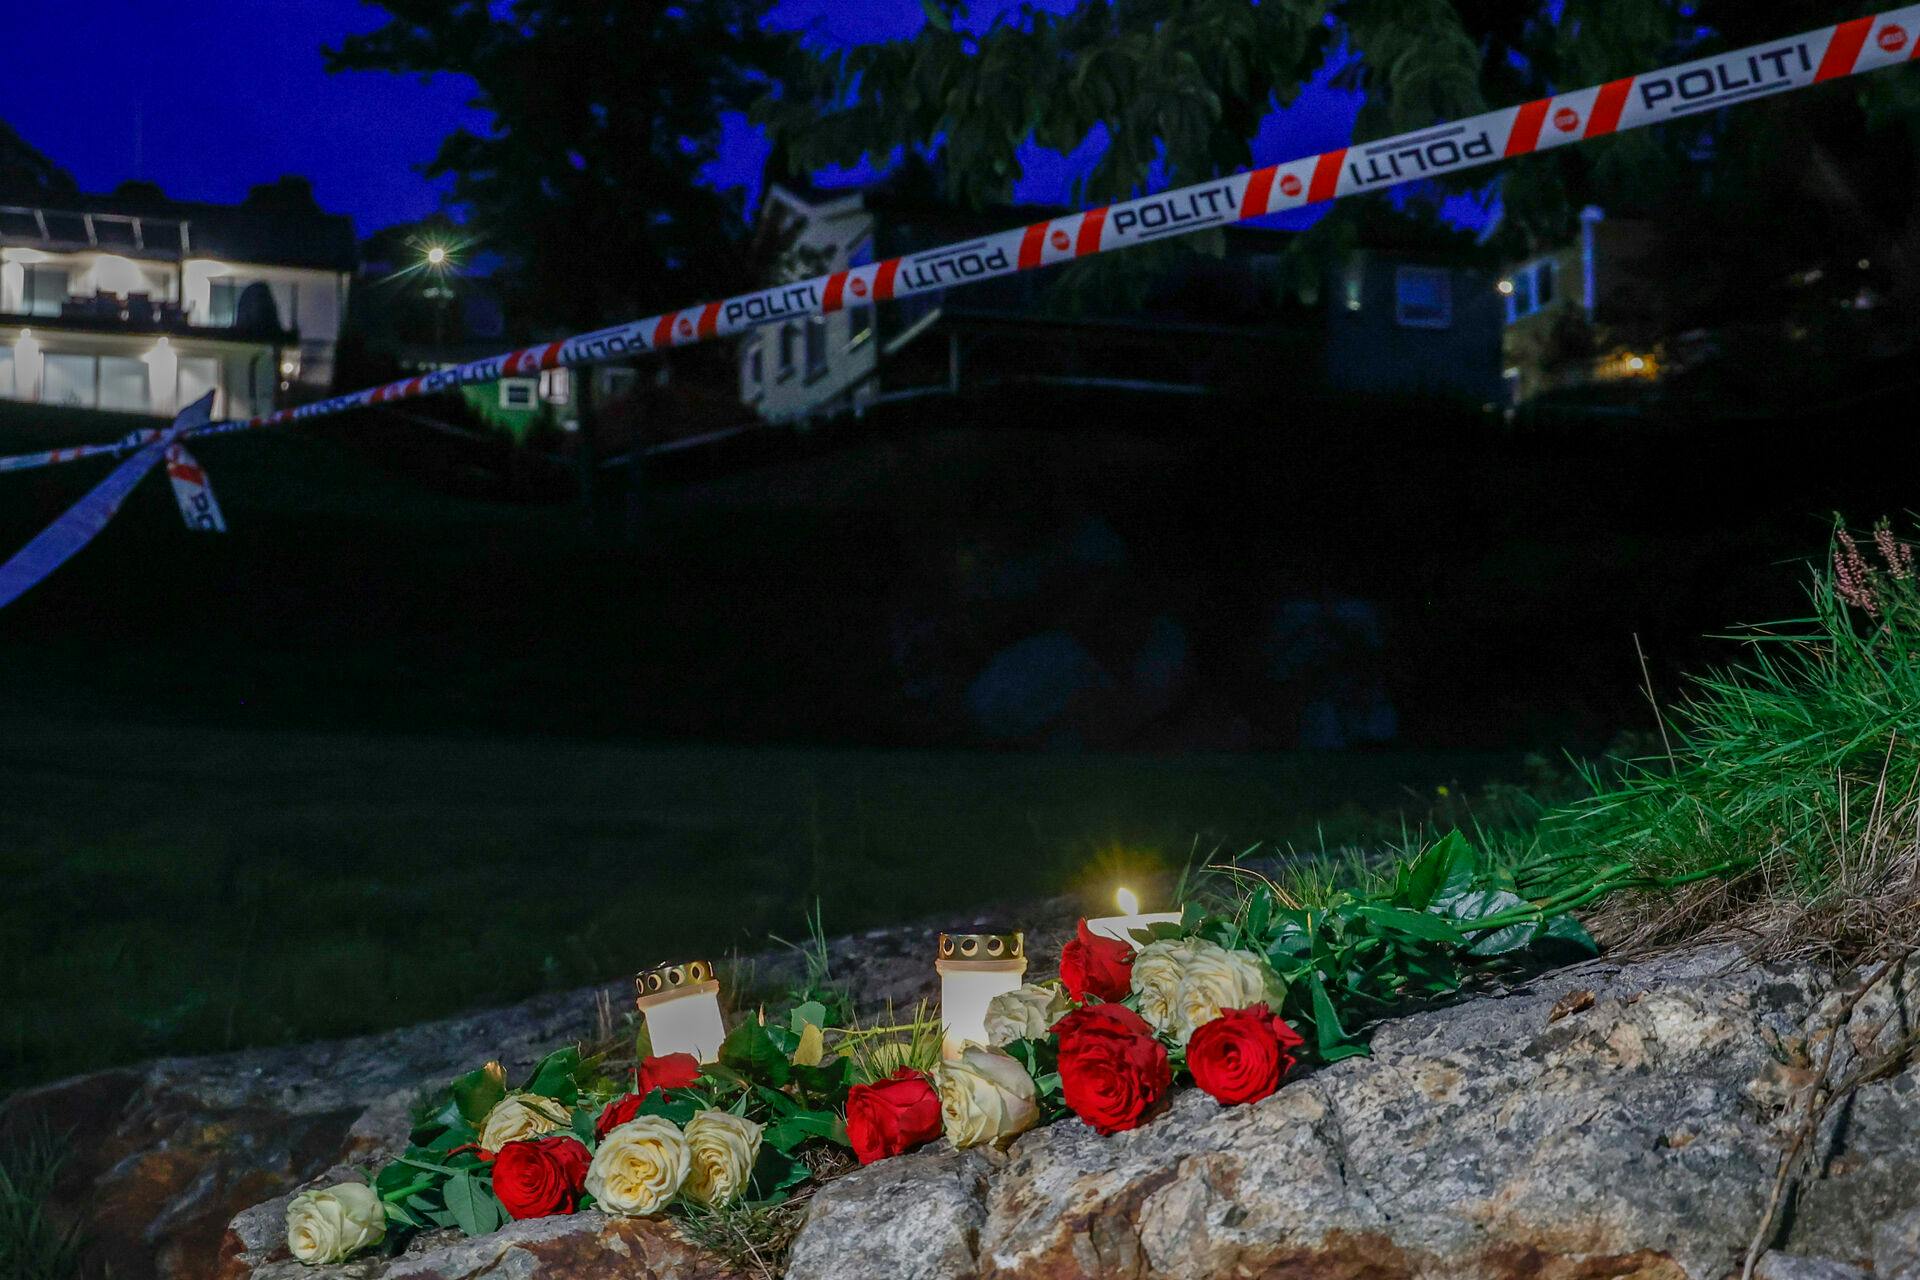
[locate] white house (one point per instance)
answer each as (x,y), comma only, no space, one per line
(143,305)
(817,364)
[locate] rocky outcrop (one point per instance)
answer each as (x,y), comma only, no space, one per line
(1636,1136)
(1610,1120)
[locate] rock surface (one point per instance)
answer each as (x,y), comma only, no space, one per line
(585,1246)
(1635,1137)
(1610,1120)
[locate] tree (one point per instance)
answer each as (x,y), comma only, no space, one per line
(1180,86)
(25,174)
(291,193)
(603,114)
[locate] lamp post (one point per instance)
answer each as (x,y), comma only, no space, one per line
(437,263)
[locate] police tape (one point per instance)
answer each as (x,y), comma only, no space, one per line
(80,523)
(194,492)
(1633,102)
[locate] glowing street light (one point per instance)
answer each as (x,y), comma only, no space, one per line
(437,256)
(1506,288)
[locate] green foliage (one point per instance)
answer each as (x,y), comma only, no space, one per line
(1180,86)
(1041,1058)
(32,1245)
(1414,931)
(878,1051)
(1797,766)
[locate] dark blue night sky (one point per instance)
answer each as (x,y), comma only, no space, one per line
(212,97)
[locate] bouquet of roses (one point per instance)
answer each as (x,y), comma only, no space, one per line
(481,1154)
(1105,1042)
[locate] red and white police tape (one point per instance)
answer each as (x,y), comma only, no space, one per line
(1633,102)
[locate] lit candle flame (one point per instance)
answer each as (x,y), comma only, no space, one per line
(1129,905)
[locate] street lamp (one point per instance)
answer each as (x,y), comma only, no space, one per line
(437,262)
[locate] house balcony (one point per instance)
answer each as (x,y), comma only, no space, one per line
(135,314)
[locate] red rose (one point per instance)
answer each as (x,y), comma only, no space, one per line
(1112,1070)
(1091,965)
(536,1177)
(674,1071)
(1242,1055)
(895,1115)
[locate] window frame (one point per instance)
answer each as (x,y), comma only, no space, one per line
(511,387)
(813,348)
(1442,277)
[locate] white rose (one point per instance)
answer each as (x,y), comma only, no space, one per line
(331,1224)
(1157,971)
(721,1149)
(522,1115)
(1215,978)
(985,1096)
(1026,1014)
(639,1167)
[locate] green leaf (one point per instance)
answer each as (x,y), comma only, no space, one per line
(1330,1035)
(790,1132)
(1259,911)
(774,1172)
(1567,930)
(750,1051)
(473,1207)
(476,1093)
(936,15)
(554,1077)
(810,1013)
(828,1080)
(1418,924)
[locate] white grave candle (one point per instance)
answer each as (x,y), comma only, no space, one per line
(973,969)
(681,1003)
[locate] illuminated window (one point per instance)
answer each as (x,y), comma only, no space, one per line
(123,384)
(67,379)
(519,393)
(1422,298)
(46,290)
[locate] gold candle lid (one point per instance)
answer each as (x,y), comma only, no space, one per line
(983,946)
(671,979)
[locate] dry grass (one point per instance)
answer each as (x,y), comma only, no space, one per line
(1867,909)
(755,1240)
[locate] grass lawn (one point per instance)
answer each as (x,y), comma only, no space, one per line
(188,890)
